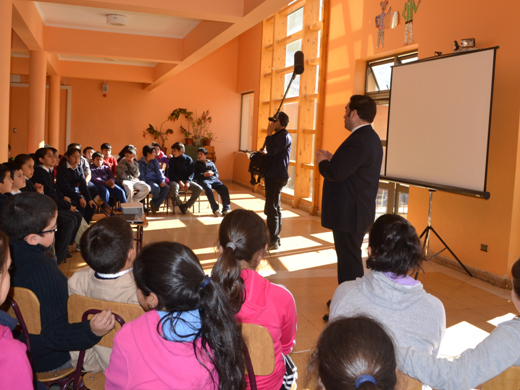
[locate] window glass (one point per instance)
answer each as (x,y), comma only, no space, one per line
(295,86)
(290,49)
(291,109)
(289,188)
(295,21)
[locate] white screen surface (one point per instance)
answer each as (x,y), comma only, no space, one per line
(439,118)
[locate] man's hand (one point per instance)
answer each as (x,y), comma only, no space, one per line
(102,323)
(323,155)
(270,128)
(163,184)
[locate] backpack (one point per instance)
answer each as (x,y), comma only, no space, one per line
(258,164)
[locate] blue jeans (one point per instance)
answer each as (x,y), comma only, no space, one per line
(158,193)
(221,189)
(105,192)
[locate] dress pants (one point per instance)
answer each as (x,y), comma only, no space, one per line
(221,189)
(273,190)
(348,249)
(195,193)
(67,229)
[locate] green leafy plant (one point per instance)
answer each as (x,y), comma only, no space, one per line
(182,113)
(201,126)
(160,136)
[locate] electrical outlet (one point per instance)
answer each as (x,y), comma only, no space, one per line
(483,247)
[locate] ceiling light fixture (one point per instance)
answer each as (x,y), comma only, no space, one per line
(116,20)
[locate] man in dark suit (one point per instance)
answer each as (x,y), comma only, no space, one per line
(350,186)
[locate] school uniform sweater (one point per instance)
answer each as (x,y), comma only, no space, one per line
(40,274)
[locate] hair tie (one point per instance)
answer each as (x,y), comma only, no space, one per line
(364,378)
(231,245)
(204,282)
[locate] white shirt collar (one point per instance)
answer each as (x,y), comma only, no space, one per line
(355,128)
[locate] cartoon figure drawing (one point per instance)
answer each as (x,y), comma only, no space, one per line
(409,9)
(380,23)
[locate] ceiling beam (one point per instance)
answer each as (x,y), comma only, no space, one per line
(99,44)
(53,64)
(218,10)
(27,24)
(112,72)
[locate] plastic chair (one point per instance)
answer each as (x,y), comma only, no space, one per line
(25,307)
(80,308)
(258,352)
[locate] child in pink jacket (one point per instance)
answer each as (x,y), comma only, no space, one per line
(243,241)
(14,364)
(187,339)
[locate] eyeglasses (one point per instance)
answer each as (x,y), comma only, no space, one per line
(53,230)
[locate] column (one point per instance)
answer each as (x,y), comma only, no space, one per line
(6,10)
(37,81)
(54,110)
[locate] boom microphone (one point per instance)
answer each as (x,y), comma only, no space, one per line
(298,62)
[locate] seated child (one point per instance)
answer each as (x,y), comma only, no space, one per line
(108,159)
(151,174)
(180,172)
(161,158)
(87,153)
(17,176)
(29,219)
(27,163)
(128,176)
(14,364)
(104,180)
(206,175)
(108,248)
(353,353)
(188,337)
(6,183)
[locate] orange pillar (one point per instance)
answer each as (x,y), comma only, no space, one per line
(54,110)
(6,9)
(37,82)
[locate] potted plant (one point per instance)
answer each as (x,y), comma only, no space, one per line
(180,113)
(207,139)
(201,126)
(160,136)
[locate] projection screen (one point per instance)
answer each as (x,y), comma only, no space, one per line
(439,120)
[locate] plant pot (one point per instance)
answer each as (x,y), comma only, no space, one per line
(188,141)
(207,142)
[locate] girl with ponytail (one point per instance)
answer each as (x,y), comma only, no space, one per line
(188,337)
(243,242)
(388,293)
(353,353)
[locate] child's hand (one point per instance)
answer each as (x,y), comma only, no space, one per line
(39,188)
(102,322)
(66,198)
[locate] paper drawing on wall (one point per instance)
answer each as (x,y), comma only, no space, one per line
(409,9)
(380,23)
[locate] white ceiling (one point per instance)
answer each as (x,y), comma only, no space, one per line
(94,19)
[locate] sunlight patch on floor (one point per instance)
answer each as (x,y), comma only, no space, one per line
(210,220)
(295,243)
(460,337)
(163,224)
(204,251)
(241,196)
(327,236)
(250,204)
(498,320)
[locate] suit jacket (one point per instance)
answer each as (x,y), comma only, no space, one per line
(351,182)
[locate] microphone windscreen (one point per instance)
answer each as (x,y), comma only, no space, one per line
(298,62)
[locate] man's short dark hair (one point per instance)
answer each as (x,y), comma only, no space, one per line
(4,169)
(97,154)
(148,149)
(26,213)
(75,146)
(106,244)
(365,107)
(179,146)
(283,118)
(87,149)
(203,150)
(106,146)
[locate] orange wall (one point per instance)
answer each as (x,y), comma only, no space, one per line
(463,222)
(121,117)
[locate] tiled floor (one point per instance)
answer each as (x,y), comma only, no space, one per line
(305,264)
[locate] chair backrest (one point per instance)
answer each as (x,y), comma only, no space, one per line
(507,380)
(78,304)
(261,348)
(29,308)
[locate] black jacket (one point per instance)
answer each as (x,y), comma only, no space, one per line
(46,179)
(69,181)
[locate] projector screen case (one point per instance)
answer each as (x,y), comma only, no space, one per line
(439,122)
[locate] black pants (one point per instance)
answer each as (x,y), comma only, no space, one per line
(68,226)
(273,189)
(348,249)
